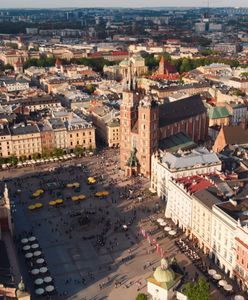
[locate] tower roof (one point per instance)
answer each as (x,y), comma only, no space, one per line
(163,274)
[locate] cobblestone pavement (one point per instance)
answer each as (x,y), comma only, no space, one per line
(84,244)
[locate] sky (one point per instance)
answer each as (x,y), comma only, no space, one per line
(116,3)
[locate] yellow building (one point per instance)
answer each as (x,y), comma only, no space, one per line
(81,135)
(5,142)
(107,125)
(26,140)
(113,136)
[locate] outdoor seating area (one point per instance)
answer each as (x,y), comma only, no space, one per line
(78,198)
(91,180)
(102,194)
(217,278)
(43,283)
(73,185)
(37,162)
(37,193)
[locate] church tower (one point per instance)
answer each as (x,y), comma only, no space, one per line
(148,133)
(128,115)
(161,68)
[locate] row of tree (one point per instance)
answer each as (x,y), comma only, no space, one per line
(188,64)
(96,64)
(56,152)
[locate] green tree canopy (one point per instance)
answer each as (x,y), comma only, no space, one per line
(198,290)
(42,62)
(58,152)
(244,75)
(141,296)
(78,150)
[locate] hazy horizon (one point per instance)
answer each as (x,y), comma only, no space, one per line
(117,3)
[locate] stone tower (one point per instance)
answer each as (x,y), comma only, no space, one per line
(148,118)
(128,116)
(138,128)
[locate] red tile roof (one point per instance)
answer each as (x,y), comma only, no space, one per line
(195,183)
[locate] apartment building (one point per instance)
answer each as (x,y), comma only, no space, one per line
(25,140)
(166,165)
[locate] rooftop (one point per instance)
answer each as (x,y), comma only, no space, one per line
(189,159)
(236,208)
(218,112)
(176,142)
(22,129)
(235,135)
(179,110)
(194,183)
(207,198)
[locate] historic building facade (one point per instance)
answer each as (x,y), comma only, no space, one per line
(144,123)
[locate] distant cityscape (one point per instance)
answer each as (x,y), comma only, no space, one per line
(134,119)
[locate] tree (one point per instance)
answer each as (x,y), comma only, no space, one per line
(186,65)
(141,296)
(36,156)
(198,290)
(12,45)
(58,152)
(78,150)
(90,88)
(8,67)
(12,160)
(244,75)
(151,62)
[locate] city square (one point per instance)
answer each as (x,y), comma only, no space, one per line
(93,248)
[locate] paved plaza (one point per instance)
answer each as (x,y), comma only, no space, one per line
(88,253)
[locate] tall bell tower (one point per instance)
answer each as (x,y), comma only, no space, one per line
(148,133)
(128,115)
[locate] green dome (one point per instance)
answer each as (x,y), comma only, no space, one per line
(163,274)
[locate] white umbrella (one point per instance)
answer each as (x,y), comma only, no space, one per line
(163,223)
(37,253)
(217,276)
(49,288)
(24,241)
(48,279)
(211,272)
(43,270)
(35,246)
(172,232)
(26,248)
(35,271)
(32,239)
(228,287)
(40,260)
(239,297)
(159,220)
(222,282)
(168,228)
(29,255)
(38,281)
(39,291)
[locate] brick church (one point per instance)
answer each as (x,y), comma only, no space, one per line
(144,123)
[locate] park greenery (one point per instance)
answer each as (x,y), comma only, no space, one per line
(96,64)
(141,296)
(188,64)
(41,62)
(198,290)
(244,75)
